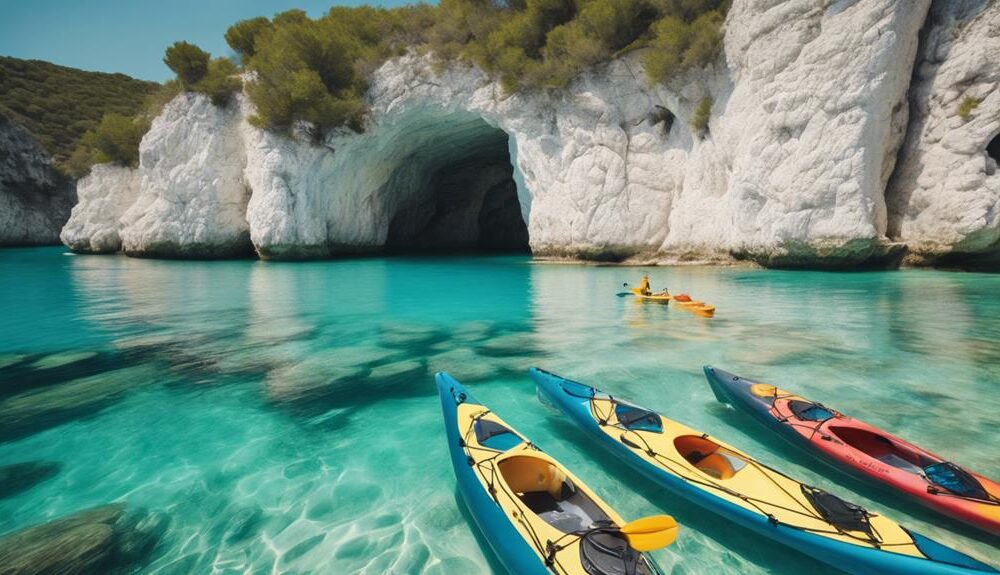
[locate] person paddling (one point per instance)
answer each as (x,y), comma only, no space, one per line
(644,285)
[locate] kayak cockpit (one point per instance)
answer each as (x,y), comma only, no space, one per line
(550,494)
(882,448)
(709,457)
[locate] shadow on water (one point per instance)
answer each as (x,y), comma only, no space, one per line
(742,422)
(743,542)
(491,557)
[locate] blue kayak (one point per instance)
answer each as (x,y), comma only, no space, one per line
(537,516)
(724,480)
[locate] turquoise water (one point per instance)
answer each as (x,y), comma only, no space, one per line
(283,416)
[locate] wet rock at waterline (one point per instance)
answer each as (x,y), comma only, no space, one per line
(97,541)
(19,477)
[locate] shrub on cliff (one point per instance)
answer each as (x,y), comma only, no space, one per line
(702,114)
(188,61)
(197,72)
(316,71)
(116,139)
(967,106)
(220,82)
(678,46)
(546,43)
(242,36)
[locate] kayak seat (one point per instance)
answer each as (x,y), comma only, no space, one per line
(526,474)
(708,457)
(550,495)
(881,448)
(717,466)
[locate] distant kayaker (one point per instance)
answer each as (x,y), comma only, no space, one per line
(644,285)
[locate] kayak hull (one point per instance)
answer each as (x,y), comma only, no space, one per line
(848,557)
(508,545)
(858,449)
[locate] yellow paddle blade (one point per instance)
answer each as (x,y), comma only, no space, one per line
(651,533)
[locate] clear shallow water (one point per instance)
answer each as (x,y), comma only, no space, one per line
(283,416)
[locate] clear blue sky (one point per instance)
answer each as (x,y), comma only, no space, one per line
(129,36)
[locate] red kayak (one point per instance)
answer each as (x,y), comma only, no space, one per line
(866,451)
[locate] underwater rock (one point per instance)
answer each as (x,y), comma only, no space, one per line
(408,335)
(18,477)
(400,370)
(463,363)
(36,410)
(312,378)
(509,345)
(95,541)
(56,360)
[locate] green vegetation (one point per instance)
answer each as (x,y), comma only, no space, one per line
(702,114)
(316,70)
(188,61)
(678,45)
(547,43)
(967,106)
(58,105)
(197,72)
(116,139)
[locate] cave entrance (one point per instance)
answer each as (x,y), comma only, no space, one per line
(993,148)
(456,192)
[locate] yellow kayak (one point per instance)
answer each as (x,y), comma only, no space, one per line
(539,517)
(660,297)
(696,307)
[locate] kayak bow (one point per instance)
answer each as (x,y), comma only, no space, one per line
(537,516)
(726,481)
(865,451)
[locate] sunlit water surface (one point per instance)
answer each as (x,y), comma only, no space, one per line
(283,416)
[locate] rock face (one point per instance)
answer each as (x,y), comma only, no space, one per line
(104,195)
(810,110)
(35,200)
(946,194)
(188,197)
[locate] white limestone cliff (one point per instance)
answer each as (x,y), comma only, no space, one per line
(946,193)
(810,110)
(192,196)
(187,198)
(104,195)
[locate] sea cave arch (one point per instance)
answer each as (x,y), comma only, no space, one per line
(454,187)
